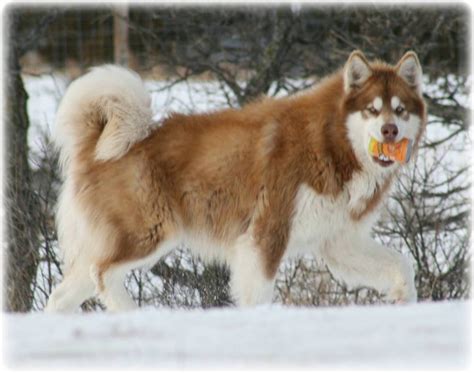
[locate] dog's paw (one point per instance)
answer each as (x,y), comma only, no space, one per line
(402,294)
(403,289)
(55,305)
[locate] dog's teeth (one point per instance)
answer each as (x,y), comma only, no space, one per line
(383,157)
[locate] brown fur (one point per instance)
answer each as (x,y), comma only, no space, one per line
(230,170)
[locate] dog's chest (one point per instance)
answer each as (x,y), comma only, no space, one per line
(316,219)
(319,220)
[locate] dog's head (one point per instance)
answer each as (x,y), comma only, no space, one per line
(382,102)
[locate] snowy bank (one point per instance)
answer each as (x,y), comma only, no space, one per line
(423,335)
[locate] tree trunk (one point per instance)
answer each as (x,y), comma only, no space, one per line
(20,201)
(121,34)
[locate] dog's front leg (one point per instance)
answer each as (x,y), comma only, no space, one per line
(361,261)
(250,284)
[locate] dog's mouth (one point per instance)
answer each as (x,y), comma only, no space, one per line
(383,160)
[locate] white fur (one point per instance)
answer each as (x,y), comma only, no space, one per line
(362,186)
(76,287)
(408,128)
(80,241)
(81,278)
(114,295)
(204,246)
(357,259)
(119,96)
(377,103)
(395,102)
(80,233)
(323,227)
(249,284)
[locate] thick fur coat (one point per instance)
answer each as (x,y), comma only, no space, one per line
(247,186)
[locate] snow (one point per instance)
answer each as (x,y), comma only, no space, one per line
(44,95)
(416,336)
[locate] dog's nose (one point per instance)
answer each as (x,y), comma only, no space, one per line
(389,132)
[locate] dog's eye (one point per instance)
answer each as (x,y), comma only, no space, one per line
(399,110)
(372,110)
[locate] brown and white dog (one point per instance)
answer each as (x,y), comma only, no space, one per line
(277,178)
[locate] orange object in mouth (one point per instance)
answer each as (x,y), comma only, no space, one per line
(399,152)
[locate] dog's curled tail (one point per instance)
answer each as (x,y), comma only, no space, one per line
(102,114)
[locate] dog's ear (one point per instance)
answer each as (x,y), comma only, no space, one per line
(409,69)
(356,71)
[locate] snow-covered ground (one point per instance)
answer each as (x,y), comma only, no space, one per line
(418,336)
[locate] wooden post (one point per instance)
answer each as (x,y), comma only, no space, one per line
(121,34)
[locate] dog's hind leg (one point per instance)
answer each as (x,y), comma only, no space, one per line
(110,286)
(109,276)
(76,287)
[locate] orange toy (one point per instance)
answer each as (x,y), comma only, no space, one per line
(399,152)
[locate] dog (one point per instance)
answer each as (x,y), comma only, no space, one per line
(249,187)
